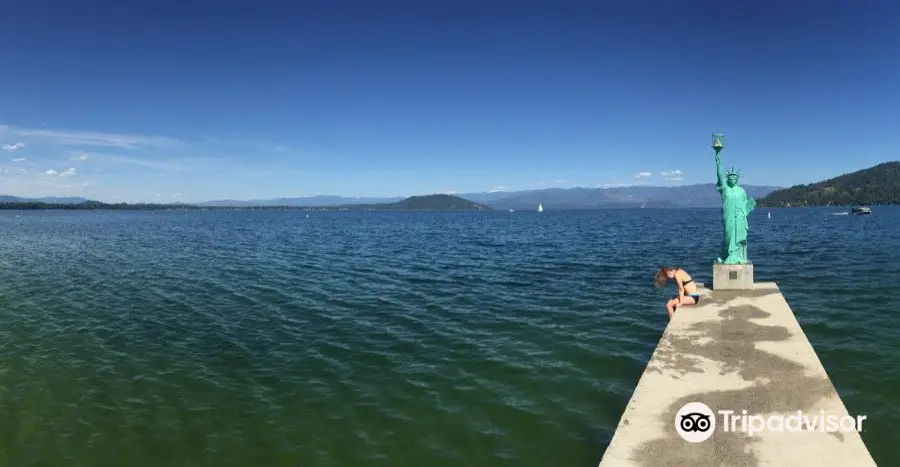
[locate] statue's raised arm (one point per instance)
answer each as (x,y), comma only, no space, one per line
(717,145)
(720,179)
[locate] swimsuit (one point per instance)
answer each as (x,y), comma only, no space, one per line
(695,296)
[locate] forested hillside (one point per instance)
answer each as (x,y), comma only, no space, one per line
(877,185)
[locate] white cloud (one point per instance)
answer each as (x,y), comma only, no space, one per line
(18,159)
(91,138)
(496,189)
(81,156)
(70,172)
(672,175)
(643,175)
(12,147)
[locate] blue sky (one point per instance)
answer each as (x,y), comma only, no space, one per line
(186,100)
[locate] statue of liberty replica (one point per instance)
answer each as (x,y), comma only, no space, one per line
(736,207)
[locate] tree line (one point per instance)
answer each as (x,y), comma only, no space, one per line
(100,206)
(86,205)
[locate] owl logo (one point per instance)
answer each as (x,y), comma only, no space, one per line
(695,421)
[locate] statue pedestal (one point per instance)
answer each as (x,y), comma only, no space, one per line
(732,276)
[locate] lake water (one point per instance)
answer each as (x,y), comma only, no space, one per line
(392,339)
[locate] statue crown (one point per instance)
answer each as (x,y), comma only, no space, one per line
(733,173)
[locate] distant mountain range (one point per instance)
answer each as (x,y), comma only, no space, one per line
(312,201)
(413,203)
(48,200)
(686,196)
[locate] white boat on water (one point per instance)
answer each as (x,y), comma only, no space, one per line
(540,207)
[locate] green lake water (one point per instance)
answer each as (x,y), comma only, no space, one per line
(393,339)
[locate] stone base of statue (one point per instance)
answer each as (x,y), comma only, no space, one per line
(732,276)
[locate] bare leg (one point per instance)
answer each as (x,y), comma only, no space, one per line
(674,303)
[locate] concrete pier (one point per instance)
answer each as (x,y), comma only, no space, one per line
(736,350)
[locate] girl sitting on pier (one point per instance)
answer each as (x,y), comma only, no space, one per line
(687,289)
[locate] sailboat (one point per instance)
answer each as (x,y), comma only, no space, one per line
(540,207)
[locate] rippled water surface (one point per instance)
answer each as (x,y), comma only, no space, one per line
(401,339)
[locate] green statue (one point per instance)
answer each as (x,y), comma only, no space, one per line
(736,207)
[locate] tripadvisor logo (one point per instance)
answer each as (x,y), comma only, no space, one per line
(696,422)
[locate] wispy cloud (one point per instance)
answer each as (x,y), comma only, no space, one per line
(615,182)
(496,189)
(19,182)
(209,165)
(673,175)
(92,138)
(12,147)
(135,165)
(275,148)
(145,162)
(551,183)
(643,175)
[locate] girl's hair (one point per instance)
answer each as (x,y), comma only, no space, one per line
(661,276)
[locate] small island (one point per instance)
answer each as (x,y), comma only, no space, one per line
(413,203)
(878,185)
(419,203)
